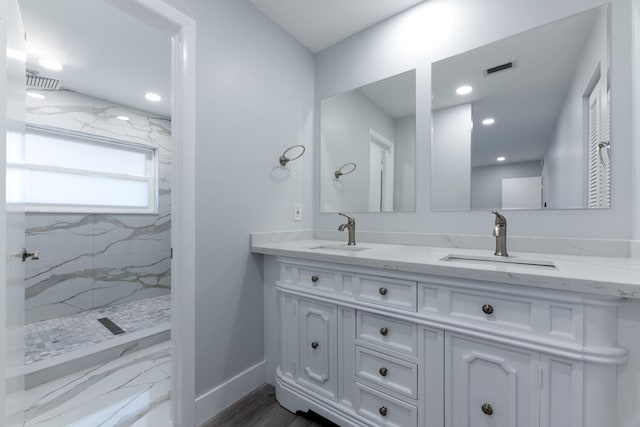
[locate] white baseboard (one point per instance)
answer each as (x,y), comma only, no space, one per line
(224,395)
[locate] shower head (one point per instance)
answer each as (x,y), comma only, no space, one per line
(34,81)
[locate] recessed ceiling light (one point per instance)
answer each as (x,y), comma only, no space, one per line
(125,118)
(36,95)
(488,121)
(50,64)
(463,90)
(501,159)
(153,97)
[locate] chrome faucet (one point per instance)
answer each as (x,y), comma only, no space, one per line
(500,233)
(351,228)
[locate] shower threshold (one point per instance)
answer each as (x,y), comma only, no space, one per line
(59,347)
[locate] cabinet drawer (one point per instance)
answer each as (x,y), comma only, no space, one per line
(515,313)
(386,332)
(388,372)
(393,293)
(384,410)
(318,278)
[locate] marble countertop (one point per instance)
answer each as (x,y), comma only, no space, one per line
(616,277)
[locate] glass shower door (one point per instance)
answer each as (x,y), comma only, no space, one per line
(12,215)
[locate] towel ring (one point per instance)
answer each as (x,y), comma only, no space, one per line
(284,159)
(339,172)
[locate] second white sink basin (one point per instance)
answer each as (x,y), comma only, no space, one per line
(498,260)
(345,247)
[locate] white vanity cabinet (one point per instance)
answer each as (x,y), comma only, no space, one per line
(318,350)
(370,347)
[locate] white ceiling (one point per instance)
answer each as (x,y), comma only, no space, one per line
(319,24)
(106,53)
(526,100)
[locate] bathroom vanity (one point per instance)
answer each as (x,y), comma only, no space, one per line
(393,335)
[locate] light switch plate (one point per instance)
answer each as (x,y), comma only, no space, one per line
(297,212)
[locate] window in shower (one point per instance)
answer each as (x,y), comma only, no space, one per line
(82,173)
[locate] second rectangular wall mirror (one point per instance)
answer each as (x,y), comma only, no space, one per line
(523,123)
(367,149)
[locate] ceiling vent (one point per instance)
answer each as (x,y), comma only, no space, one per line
(498,68)
(34,81)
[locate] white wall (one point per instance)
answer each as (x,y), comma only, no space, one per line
(438,29)
(254,99)
(404,169)
(565,158)
(486,182)
(452,149)
(346,120)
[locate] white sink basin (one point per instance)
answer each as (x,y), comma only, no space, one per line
(498,260)
(344,247)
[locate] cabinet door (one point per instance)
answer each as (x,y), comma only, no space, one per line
(490,386)
(318,347)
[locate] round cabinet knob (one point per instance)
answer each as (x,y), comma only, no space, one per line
(383,372)
(314,345)
(384,332)
(383,411)
(314,279)
(487,309)
(383,291)
(487,409)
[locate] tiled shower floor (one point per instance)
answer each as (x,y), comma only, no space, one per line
(54,337)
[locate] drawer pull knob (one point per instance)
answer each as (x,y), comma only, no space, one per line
(487,409)
(383,291)
(384,332)
(314,279)
(383,411)
(487,309)
(314,345)
(383,372)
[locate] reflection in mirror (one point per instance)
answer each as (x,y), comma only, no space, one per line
(531,130)
(373,128)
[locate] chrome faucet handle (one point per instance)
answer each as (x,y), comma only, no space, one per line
(350,219)
(500,220)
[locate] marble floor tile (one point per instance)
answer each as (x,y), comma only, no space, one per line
(132,391)
(55,337)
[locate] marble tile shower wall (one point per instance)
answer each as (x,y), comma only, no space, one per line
(97,260)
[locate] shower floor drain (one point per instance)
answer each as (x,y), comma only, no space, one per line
(112,327)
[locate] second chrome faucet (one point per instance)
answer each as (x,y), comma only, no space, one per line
(350,226)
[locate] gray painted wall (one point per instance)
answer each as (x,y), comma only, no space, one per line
(566,157)
(404,172)
(486,182)
(254,99)
(451,172)
(97,260)
(438,29)
(346,120)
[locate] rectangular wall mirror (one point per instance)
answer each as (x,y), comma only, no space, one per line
(367,149)
(523,123)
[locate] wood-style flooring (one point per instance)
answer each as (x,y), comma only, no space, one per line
(260,409)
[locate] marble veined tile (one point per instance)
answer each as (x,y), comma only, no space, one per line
(137,129)
(133,390)
(131,234)
(62,109)
(59,237)
(57,288)
(122,278)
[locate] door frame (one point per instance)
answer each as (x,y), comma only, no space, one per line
(182,28)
